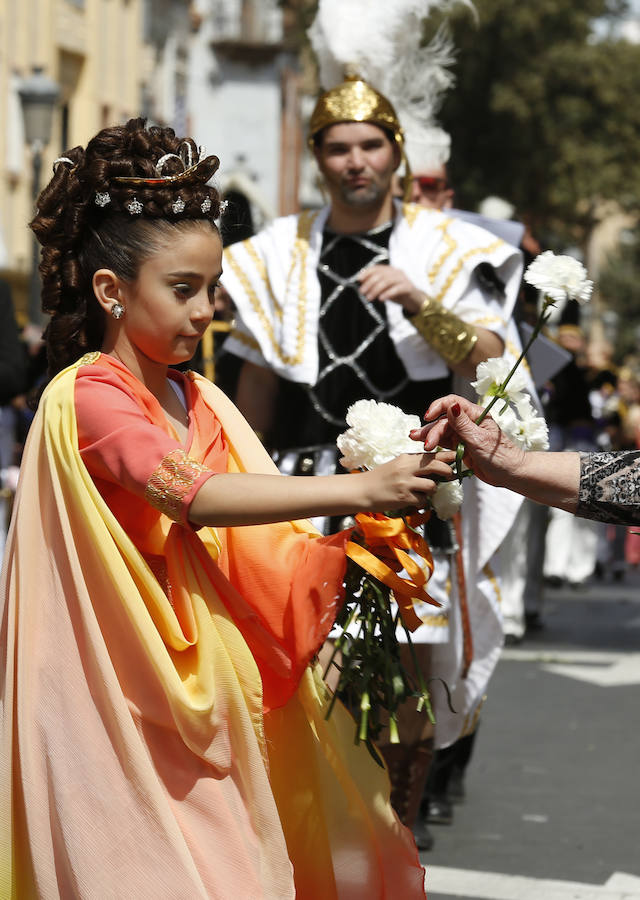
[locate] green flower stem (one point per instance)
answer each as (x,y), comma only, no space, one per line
(365,706)
(499,391)
(424,699)
(339,641)
(394,736)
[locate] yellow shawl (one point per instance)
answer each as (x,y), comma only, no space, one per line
(137,764)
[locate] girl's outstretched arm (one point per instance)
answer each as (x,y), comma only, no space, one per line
(247,499)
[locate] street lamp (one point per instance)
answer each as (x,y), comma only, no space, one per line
(38,95)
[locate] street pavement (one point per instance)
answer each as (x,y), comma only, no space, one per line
(552,810)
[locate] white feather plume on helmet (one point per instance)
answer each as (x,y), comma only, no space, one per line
(378,44)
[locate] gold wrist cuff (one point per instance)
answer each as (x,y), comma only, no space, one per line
(449,336)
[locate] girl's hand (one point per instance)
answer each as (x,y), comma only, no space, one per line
(405,481)
(491,455)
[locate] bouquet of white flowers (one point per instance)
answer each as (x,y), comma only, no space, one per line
(373,681)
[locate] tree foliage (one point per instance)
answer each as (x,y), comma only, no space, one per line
(544,112)
(619,287)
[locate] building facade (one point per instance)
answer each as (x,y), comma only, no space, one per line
(111,59)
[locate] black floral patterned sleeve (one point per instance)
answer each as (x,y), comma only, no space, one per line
(610,487)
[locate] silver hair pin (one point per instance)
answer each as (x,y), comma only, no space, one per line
(186,154)
(62,159)
(102,198)
(178,205)
(166,158)
(134,207)
(205,206)
(223,206)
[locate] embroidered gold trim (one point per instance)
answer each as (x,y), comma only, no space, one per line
(488,571)
(486,321)
(440,621)
(411,211)
(450,246)
(300,251)
(260,265)
(245,339)
(171,482)
(89,358)
(490,248)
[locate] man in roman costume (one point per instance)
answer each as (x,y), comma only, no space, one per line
(372,297)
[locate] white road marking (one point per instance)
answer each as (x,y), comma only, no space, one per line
(595,657)
(605,669)
(623,672)
(474,885)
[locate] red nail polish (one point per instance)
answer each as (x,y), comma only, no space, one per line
(455,409)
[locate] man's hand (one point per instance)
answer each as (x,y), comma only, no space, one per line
(386,283)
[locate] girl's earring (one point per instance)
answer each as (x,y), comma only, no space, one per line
(117,310)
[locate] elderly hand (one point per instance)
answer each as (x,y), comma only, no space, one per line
(488,452)
(387,283)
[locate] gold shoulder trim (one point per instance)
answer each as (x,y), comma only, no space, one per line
(298,258)
(171,482)
(410,211)
(89,358)
(489,248)
(261,268)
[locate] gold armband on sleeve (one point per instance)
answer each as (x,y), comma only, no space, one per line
(449,336)
(170,483)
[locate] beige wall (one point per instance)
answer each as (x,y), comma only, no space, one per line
(94,50)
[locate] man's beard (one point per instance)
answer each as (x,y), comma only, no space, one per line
(370,195)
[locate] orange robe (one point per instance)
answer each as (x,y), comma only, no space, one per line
(163,734)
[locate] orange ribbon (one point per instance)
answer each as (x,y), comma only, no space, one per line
(379,531)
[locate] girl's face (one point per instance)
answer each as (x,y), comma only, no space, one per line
(170,304)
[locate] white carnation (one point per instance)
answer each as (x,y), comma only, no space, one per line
(447,499)
(506,419)
(533,433)
(559,277)
(378,432)
(526,428)
(491,373)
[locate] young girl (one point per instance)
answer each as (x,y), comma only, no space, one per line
(163,735)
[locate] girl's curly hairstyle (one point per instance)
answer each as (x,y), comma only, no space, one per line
(87,219)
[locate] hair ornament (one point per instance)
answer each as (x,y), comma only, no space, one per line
(201,171)
(205,206)
(186,154)
(166,158)
(178,206)
(223,206)
(134,207)
(102,198)
(62,159)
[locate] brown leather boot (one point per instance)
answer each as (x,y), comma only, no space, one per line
(408,767)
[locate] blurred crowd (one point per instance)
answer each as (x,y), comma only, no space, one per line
(591,404)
